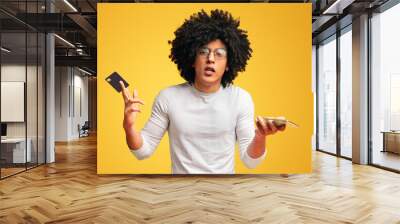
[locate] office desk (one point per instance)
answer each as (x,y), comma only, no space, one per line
(391,141)
(13,150)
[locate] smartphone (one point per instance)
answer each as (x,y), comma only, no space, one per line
(114,79)
(281,121)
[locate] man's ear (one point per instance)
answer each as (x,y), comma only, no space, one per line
(227,68)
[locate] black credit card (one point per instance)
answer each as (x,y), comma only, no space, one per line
(114,79)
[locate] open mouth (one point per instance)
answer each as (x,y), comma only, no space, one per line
(209,70)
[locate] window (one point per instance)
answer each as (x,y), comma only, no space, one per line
(385,88)
(327,95)
(346,93)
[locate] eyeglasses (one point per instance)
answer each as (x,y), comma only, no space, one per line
(219,53)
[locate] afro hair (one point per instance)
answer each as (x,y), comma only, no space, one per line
(199,30)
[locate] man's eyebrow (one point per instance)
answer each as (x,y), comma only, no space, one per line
(215,48)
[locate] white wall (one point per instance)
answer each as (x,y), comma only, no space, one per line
(61,114)
(71,102)
(80,110)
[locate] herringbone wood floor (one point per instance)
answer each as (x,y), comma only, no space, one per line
(70,191)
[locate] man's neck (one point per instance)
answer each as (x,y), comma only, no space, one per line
(206,88)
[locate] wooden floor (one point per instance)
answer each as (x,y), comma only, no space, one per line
(387,159)
(70,191)
(5,172)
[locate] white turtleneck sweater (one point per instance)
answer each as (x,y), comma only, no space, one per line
(202,128)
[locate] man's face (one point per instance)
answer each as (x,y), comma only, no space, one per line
(210,63)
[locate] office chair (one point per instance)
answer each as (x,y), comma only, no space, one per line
(84,130)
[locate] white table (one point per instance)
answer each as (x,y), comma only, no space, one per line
(18,149)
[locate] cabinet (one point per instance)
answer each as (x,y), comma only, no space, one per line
(391,141)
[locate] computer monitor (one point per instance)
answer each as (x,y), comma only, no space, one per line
(3,129)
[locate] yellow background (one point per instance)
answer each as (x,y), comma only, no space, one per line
(133,40)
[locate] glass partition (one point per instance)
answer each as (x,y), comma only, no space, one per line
(22,88)
(13,95)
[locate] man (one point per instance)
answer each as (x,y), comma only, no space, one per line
(207,114)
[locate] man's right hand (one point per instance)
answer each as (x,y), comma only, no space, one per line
(131,106)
